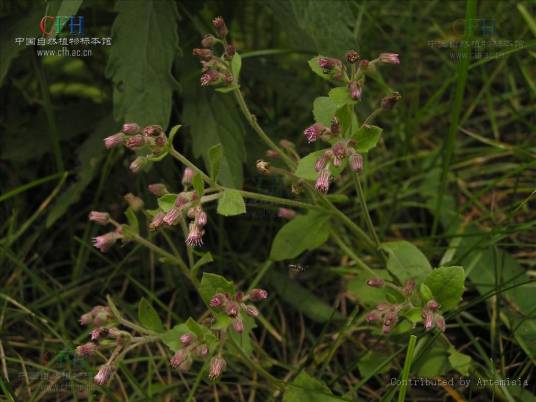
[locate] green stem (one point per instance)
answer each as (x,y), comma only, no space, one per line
(368,220)
(407,367)
(277,200)
(185,161)
(252,120)
(351,253)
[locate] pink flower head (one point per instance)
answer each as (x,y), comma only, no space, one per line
(217,300)
(257,294)
(136,141)
(87,349)
(323,160)
(409,287)
(153,130)
(440,322)
(114,140)
(86,318)
(352,56)
(201,350)
(206,54)
(179,359)
(172,216)
(238,325)
(187,176)
(250,310)
(312,133)
(322,181)
(208,41)
(389,58)
(326,63)
(339,150)
(200,217)
(355,90)
(101,218)
(231,309)
(137,164)
(157,221)
(97,333)
(286,213)
(375,282)
(219,24)
(373,316)
(157,189)
(217,365)
(186,338)
(103,375)
(195,235)
(230,50)
(130,128)
(356,162)
(428,319)
(210,77)
(432,305)
(106,241)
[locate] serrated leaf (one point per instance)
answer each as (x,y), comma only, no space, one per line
(307,388)
(340,96)
(323,110)
(236,66)
(231,203)
(367,137)
(405,261)
(143,83)
(304,232)
(212,284)
(446,284)
(166,202)
(148,317)
(460,362)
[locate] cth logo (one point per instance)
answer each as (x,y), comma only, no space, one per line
(53,25)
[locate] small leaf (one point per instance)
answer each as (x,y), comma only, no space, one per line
(173,132)
(236,66)
(215,154)
(340,96)
(446,284)
(405,261)
(323,110)
(167,201)
(132,220)
(205,259)
(306,165)
(304,232)
(198,184)
(367,137)
(212,284)
(231,203)
(203,334)
(172,336)
(367,295)
(460,362)
(148,317)
(305,388)
(313,63)
(426,292)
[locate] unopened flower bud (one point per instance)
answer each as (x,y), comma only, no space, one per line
(210,77)
(352,56)
(271,154)
(432,305)
(208,41)
(286,213)
(101,218)
(134,142)
(157,221)
(86,318)
(257,294)
(137,164)
(322,181)
(179,359)
(321,162)
(186,339)
(231,309)
(172,216)
(114,140)
(327,63)
(355,90)
(287,144)
(136,203)
(428,319)
(263,167)
(373,316)
(130,128)
(203,53)
(217,300)
(390,101)
(219,24)
(250,310)
(153,130)
(106,241)
(389,58)
(187,176)
(103,375)
(195,235)
(409,287)
(217,365)
(238,325)
(97,333)
(440,322)
(200,217)
(87,349)
(101,315)
(375,282)
(230,50)
(312,133)
(157,189)
(201,350)
(363,65)
(335,127)
(356,162)
(339,150)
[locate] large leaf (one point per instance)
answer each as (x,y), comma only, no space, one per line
(405,261)
(148,317)
(305,388)
(446,284)
(231,203)
(367,137)
(305,232)
(145,43)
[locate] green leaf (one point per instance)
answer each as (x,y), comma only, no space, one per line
(143,83)
(367,137)
(167,201)
(434,360)
(203,334)
(305,388)
(304,232)
(405,261)
(206,258)
(148,317)
(370,362)
(227,89)
(172,336)
(198,184)
(301,298)
(306,166)
(236,65)
(340,96)
(323,110)
(231,203)
(212,284)
(364,294)
(426,292)
(313,63)
(460,362)
(446,284)
(132,220)
(214,160)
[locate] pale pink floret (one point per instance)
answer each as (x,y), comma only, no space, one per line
(186,338)
(322,181)
(195,236)
(157,189)
(312,133)
(257,294)
(355,90)
(238,325)
(130,128)
(389,58)
(157,221)
(172,216)
(209,77)
(217,300)
(114,140)
(217,365)
(200,217)
(106,241)
(103,375)
(101,218)
(286,213)
(87,349)
(356,162)
(187,176)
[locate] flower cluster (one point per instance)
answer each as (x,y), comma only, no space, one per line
(191,347)
(235,306)
(106,241)
(216,69)
(148,143)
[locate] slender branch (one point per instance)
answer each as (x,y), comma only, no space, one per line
(368,220)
